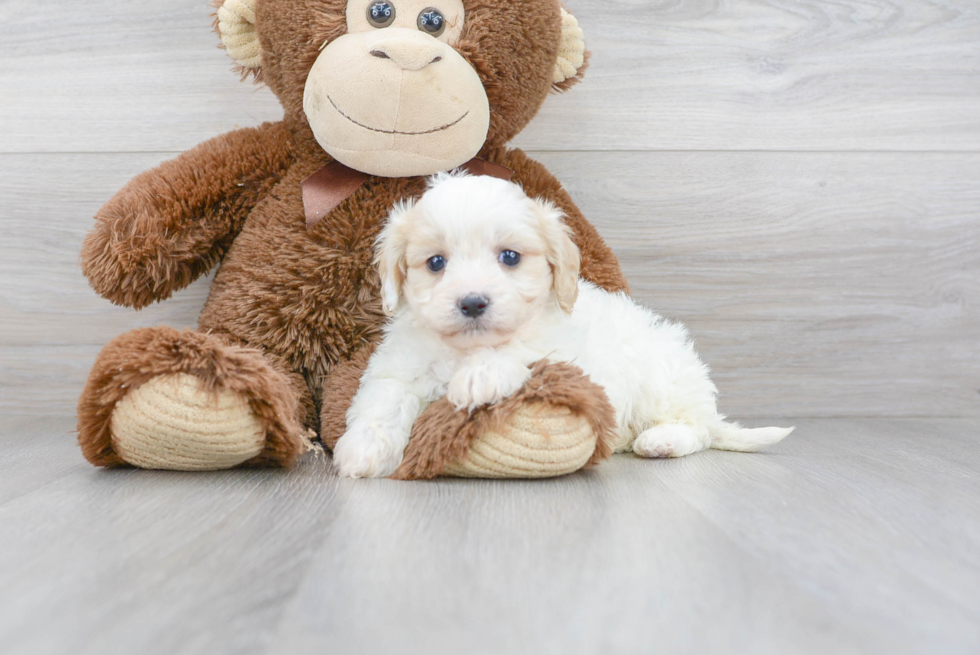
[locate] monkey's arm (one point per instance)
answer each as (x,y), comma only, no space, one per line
(172,224)
(599,264)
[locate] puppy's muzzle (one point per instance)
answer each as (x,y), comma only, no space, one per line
(473,305)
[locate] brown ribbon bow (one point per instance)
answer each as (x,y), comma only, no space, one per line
(335,183)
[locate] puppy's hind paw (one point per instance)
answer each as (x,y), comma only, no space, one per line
(667,441)
(367,452)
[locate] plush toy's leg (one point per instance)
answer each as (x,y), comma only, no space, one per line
(182,400)
(558,423)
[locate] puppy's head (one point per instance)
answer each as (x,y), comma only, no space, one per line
(475,259)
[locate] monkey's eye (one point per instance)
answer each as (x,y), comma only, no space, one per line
(381,14)
(432,22)
(510,258)
(436,264)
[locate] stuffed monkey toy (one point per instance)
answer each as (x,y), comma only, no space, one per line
(376,96)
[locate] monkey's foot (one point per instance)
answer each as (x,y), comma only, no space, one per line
(558,423)
(158,398)
(538,440)
(172,422)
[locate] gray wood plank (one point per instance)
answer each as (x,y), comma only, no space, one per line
(830,284)
(772,75)
(609,563)
(853,536)
(110,75)
(149,562)
(37,450)
(814,284)
(789,552)
(860,514)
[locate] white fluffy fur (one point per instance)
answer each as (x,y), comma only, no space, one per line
(664,400)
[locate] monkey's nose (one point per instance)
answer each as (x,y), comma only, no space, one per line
(408,55)
(473,305)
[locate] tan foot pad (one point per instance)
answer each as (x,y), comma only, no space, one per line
(172,423)
(557,424)
(538,441)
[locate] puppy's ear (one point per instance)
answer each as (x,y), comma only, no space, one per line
(563,254)
(390,251)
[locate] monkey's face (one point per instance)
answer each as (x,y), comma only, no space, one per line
(406,87)
(392,96)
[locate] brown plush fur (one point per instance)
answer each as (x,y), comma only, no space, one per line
(301,301)
(169,226)
(342,386)
(135,357)
(443,435)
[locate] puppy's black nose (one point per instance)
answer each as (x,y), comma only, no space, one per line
(473,305)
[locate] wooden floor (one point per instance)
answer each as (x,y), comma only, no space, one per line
(853,536)
(797,180)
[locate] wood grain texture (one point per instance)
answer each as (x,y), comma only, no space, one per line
(113,75)
(109,556)
(815,284)
(852,536)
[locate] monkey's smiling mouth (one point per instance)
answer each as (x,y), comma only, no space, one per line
(374,129)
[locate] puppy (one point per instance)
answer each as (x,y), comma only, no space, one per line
(482,281)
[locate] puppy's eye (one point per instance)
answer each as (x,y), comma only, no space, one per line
(510,258)
(436,264)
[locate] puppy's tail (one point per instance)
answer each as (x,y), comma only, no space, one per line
(732,436)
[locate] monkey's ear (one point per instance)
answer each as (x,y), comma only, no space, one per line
(236,27)
(572,57)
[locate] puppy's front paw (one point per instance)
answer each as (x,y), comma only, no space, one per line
(367,452)
(486,383)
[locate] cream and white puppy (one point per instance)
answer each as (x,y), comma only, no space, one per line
(482,281)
